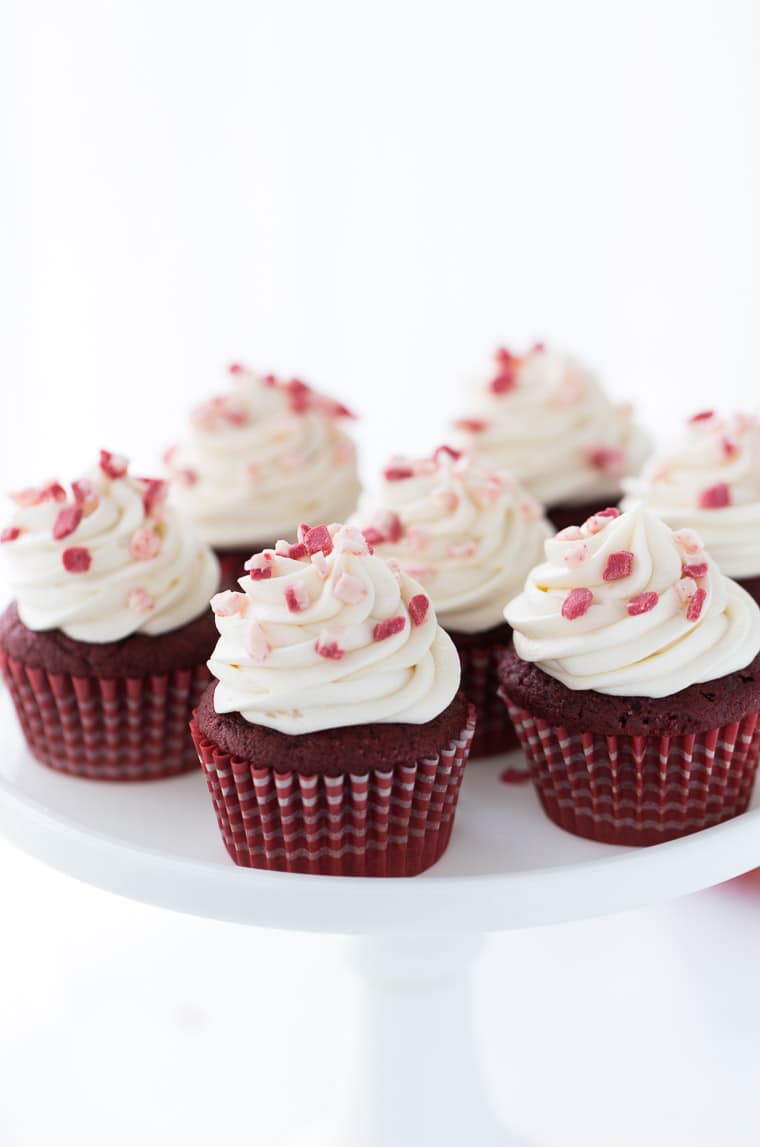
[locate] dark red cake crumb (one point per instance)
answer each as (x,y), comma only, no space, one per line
(352,749)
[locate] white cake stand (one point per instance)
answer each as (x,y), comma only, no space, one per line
(418,1080)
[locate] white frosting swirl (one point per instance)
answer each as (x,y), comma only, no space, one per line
(467,533)
(330,638)
(107,559)
(544,418)
(709,481)
(632,610)
(261,459)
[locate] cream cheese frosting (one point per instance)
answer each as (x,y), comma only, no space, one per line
(544,417)
(468,533)
(709,481)
(324,635)
(260,459)
(625,606)
(106,558)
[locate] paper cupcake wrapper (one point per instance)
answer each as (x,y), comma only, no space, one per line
(494,731)
(382,823)
(637,789)
(107,728)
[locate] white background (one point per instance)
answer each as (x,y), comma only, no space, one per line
(372,196)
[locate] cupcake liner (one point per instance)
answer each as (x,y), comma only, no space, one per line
(640,789)
(494,731)
(107,728)
(381,823)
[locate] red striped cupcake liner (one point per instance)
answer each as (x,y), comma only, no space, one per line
(494,731)
(640,790)
(381,823)
(107,728)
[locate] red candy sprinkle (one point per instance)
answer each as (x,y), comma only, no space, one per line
(154,495)
(387,628)
(418,608)
(473,425)
(9,534)
(699,569)
(372,536)
(318,540)
(455,455)
(395,473)
(67,521)
(715,497)
(297,551)
(605,458)
(577,602)
(54,491)
(643,603)
(76,559)
(235,368)
(260,573)
(702,416)
(619,565)
(329,649)
(83,490)
(113,465)
(696,605)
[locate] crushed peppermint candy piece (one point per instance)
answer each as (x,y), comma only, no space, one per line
(446,452)
(418,608)
(350,540)
(349,589)
(607,459)
(577,603)
(397,472)
(255,643)
(30,496)
(575,556)
(696,569)
(140,600)
(463,550)
(76,559)
(729,446)
(113,465)
(373,537)
(67,521)
(53,492)
(145,544)
(642,603)
(597,522)
(715,497)
(471,425)
(297,597)
(85,495)
(236,368)
(328,645)
(570,534)
(9,534)
(688,541)
(702,416)
(696,605)
(321,565)
(685,589)
(531,509)
(619,565)
(186,476)
(388,628)
(154,495)
(317,540)
(259,566)
(294,552)
(506,378)
(228,603)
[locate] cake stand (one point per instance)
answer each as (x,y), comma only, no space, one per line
(417,1081)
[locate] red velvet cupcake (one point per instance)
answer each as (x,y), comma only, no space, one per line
(634,683)
(469,535)
(104,648)
(544,417)
(260,459)
(334,738)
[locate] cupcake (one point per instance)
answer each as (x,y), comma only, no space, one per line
(634,682)
(259,460)
(544,418)
(469,535)
(334,737)
(104,646)
(709,481)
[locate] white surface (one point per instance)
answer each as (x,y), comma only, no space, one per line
(507,866)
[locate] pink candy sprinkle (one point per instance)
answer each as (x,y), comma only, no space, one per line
(418,608)
(255,643)
(9,534)
(154,495)
(144,544)
(328,646)
(388,628)
(702,416)
(349,589)
(297,597)
(471,425)
(607,459)
(577,603)
(67,521)
(696,605)
(349,540)
(715,497)
(688,541)
(113,465)
(235,368)
(397,473)
(76,559)
(696,569)
(619,565)
(318,540)
(643,603)
(575,556)
(228,603)
(506,379)
(140,600)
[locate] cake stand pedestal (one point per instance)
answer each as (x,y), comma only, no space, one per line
(417,1080)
